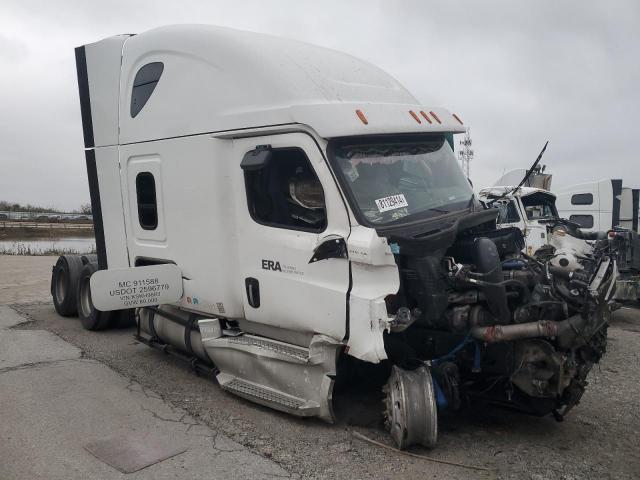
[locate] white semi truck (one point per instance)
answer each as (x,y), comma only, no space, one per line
(596,206)
(526,208)
(281,215)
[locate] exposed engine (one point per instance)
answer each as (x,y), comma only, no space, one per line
(487,321)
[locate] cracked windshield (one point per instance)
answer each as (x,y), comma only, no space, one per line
(404,180)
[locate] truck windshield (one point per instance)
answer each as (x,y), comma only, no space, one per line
(539,205)
(401,179)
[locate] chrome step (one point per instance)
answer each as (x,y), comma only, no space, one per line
(268,396)
(279,375)
(295,352)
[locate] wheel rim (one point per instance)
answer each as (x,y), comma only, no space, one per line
(86,305)
(411,410)
(61,285)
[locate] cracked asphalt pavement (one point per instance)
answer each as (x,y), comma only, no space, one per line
(111,383)
(53,406)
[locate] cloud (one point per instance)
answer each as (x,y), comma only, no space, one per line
(12,50)
(518,73)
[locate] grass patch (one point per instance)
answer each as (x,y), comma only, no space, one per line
(27,250)
(22,233)
(17,248)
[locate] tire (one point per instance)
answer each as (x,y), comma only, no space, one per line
(411,408)
(64,284)
(90,317)
(89,258)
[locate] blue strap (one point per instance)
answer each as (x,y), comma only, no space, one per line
(476,360)
(451,355)
(453,352)
(441,398)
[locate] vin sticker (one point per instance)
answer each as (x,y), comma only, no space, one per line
(391,203)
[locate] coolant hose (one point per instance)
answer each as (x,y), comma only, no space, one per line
(519,331)
(487,262)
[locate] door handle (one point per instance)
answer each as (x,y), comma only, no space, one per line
(253,291)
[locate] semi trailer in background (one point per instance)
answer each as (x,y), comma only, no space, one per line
(286,218)
(599,205)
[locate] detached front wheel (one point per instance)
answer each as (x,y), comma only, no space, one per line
(411,410)
(90,317)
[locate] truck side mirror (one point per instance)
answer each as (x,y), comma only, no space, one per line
(256,159)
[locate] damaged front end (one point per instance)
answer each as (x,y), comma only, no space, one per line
(480,319)
(470,315)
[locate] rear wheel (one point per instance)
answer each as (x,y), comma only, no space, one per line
(64,283)
(89,258)
(90,317)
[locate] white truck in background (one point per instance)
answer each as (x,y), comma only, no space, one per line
(286,217)
(526,208)
(595,206)
(600,205)
(608,206)
(572,217)
(592,204)
(630,209)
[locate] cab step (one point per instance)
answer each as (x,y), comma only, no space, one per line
(276,374)
(268,396)
(287,352)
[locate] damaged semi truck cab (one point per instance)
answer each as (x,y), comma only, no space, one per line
(279,214)
(527,208)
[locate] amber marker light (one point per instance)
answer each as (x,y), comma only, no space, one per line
(425,116)
(415,117)
(435,116)
(457,118)
(362,118)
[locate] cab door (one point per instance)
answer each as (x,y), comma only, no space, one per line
(535,233)
(292,227)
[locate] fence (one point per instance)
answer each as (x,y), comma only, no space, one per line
(43,217)
(44,225)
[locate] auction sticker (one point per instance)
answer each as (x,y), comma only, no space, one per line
(391,203)
(118,289)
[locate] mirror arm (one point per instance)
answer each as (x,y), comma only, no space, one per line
(332,247)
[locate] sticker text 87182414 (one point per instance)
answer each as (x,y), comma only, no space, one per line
(391,202)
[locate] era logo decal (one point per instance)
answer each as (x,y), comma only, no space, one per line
(271,265)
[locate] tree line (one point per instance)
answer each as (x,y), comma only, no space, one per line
(5,206)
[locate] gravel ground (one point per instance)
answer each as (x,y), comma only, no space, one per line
(597,440)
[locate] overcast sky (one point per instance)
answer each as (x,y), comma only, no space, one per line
(518,73)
